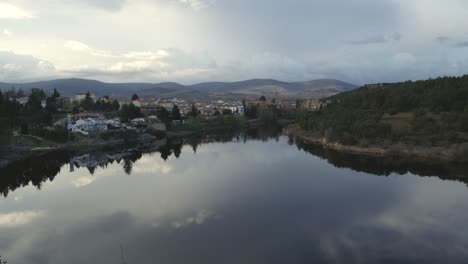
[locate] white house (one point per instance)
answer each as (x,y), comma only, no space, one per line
(138,121)
(88,125)
(82,96)
(167,105)
(136,103)
(114,123)
(240,110)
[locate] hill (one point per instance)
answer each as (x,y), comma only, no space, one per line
(430,113)
(257,87)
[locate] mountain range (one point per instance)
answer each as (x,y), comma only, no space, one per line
(254,87)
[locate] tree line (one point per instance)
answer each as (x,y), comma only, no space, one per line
(432,112)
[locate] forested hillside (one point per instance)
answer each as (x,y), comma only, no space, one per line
(423,113)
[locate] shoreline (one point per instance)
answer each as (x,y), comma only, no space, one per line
(419,153)
(17,152)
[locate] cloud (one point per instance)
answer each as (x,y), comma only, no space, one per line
(157,65)
(81,47)
(78,46)
(6,32)
(198,219)
(147,55)
(198,4)
(83,181)
(378,39)
(19,218)
(110,5)
(164,40)
(148,165)
(442,39)
(10,11)
(462,44)
(16,67)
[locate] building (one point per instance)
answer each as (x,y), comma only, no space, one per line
(22,100)
(136,103)
(167,105)
(114,123)
(312,104)
(241,110)
(138,121)
(158,126)
(86,125)
(149,109)
(63,103)
(82,96)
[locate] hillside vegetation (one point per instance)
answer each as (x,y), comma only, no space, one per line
(430,113)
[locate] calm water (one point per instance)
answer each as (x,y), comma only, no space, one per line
(243,200)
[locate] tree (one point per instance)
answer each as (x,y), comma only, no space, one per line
(135,97)
(251,112)
(88,103)
(51,102)
(51,105)
(176,113)
(129,112)
(115,105)
(56,94)
(1,98)
(20,93)
(193,111)
(227,112)
(163,114)
(263,98)
(12,92)
(11,109)
(35,100)
(33,113)
(24,128)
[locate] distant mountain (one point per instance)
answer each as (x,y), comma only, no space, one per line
(255,87)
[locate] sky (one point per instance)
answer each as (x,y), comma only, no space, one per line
(191,41)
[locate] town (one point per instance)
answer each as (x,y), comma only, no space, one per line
(59,118)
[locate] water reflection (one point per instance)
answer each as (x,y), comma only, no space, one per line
(201,201)
(37,170)
(387,166)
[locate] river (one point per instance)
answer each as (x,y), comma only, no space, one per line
(252,197)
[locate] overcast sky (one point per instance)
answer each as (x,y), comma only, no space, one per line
(189,41)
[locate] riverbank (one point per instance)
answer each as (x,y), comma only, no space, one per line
(453,153)
(203,128)
(27,146)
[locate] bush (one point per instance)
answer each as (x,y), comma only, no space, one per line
(157,133)
(55,134)
(129,136)
(458,153)
(24,129)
